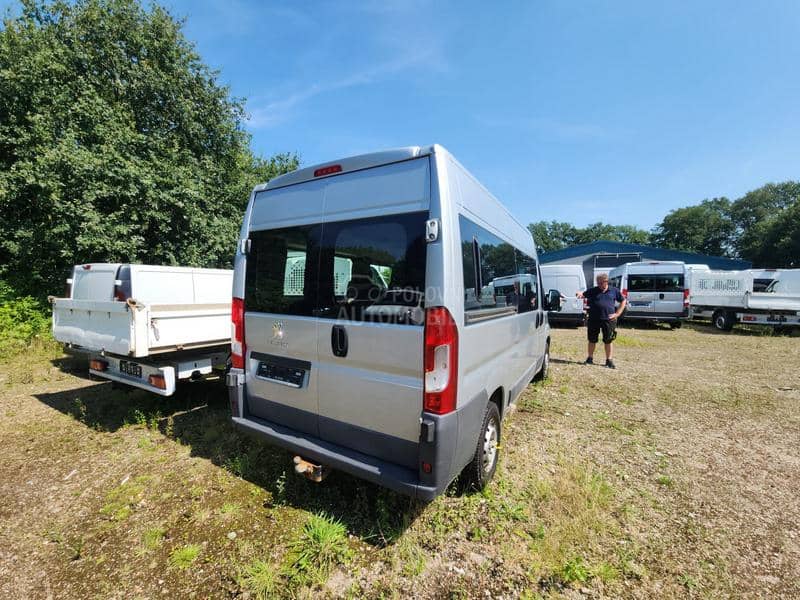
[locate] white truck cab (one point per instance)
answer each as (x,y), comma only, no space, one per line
(392,355)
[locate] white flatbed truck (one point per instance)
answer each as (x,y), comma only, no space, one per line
(147,326)
(727,298)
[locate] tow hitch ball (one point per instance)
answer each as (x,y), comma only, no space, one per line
(311,471)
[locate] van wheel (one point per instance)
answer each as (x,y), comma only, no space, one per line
(675,325)
(722,320)
(545,370)
(481,468)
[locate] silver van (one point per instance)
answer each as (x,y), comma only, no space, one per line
(367,334)
(656,291)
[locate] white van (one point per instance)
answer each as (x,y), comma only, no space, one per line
(401,379)
(655,290)
(567,279)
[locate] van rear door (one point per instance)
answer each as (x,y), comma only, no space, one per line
(371,291)
(641,293)
(281,326)
(669,290)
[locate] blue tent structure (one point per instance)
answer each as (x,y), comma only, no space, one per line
(604,255)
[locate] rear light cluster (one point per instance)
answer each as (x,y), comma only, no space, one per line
(98,365)
(685,298)
(238,348)
(119,293)
(157,381)
(440,361)
(625,293)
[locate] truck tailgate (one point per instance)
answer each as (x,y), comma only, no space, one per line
(177,326)
(95,325)
(777,302)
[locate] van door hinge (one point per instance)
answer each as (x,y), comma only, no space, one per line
(244,246)
(432,230)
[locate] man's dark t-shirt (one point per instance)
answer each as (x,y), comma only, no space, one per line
(602,304)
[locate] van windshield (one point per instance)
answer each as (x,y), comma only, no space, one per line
(361,270)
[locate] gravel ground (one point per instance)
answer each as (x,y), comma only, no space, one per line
(674,475)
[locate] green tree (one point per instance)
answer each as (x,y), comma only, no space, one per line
(116,144)
(763,221)
(706,228)
(555,235)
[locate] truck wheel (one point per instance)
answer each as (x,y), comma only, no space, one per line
(481,468)
(722,320)
(545,370)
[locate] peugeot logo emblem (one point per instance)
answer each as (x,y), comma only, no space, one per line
(277,330)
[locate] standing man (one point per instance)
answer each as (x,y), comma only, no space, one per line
(603,316)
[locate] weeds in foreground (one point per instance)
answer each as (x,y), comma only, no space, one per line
(322,546)
(183,557)
(152,538)
(574,507)
(261,580)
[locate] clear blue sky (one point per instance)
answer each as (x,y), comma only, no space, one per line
(574,111)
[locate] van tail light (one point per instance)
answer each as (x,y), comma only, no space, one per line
(98,365)
(68,289)
(119,294)
(157,381)
(238,348)
(440,361)
(625,293)
(686,298)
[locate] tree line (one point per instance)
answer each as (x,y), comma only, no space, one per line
(763,227)
(117,143)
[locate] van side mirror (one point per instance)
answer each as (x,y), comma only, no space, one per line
(552,301)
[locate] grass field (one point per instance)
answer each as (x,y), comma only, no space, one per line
(675,475)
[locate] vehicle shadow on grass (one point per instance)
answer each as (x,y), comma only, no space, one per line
(198,416)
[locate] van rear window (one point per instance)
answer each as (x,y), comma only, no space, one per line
(655,283)
(361,270)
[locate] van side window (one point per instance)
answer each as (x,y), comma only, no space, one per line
(529,282)
(504,280)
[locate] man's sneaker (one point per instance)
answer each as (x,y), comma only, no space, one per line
(589,361)
(610,364)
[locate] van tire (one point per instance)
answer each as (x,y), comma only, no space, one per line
(723,320)
(675,325)
(544,372)
(480,470)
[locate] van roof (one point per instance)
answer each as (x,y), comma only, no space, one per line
(347,164)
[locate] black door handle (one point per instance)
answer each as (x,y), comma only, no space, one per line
(339,340)
(661,296)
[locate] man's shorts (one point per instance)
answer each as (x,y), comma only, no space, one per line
(609,329)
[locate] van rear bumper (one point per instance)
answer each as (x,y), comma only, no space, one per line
(655,316)
(394,477)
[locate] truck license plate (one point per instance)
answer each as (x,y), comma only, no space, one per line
(130,368)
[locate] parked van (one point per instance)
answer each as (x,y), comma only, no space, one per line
(655,291)
(567,279)
(402,379)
